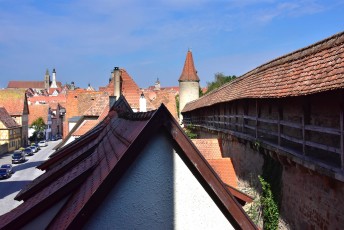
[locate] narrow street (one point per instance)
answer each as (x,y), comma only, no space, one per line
(23,174)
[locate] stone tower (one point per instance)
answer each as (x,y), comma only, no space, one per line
(188,84)
(47,80)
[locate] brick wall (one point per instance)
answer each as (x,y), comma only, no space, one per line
(311,201)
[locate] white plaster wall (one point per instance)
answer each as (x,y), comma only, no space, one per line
(158,192)
(188,91)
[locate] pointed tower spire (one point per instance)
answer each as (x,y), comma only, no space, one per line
(188,84)
(189,72)
(53,83)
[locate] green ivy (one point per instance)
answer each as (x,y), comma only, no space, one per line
(270,207)
(189,131)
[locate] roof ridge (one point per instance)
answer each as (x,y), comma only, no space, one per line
(300,53)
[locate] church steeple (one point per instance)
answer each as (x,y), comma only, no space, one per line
(189,72)
(47,80)
(53,83)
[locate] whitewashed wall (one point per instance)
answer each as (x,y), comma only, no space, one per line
(158,192)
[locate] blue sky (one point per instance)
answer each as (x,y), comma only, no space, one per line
(84,40)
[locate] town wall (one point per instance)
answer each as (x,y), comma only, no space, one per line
(308,199)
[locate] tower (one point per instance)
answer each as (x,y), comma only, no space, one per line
(143,103)
(188,84)
(53,83)
(47,80)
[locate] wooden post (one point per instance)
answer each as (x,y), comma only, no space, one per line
(303,135)
(257,110)
(280,115)
(341,139)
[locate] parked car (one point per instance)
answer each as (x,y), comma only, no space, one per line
(4,173)
(18,157)
(37,146)
(42,143)
(34,148)
(28,151)
(7,166)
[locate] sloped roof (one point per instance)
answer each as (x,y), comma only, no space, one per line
(86,126)
(13,100)
(38,110)
(89,167)
(130,89)
(7,120)
(313,69)
(209,148)
(164,97)
(100,103)
(189,72)
(29,84)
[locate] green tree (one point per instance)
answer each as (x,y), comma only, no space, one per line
(219,79)
(39,126)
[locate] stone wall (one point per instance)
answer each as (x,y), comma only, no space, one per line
(4,148)
(309,200)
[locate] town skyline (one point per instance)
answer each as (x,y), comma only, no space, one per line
(84,41)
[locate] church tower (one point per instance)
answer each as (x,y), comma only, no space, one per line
(188,84)
(53,83)
(46,80)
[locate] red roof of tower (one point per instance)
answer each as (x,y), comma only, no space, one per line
(189,72)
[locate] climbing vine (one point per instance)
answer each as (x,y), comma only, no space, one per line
(270,207)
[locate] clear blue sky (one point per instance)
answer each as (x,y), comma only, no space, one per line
(85,39)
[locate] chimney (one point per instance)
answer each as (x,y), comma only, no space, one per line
(143,103)
(112,100)
(53,83)
(117,82)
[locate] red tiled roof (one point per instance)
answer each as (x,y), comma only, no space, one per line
(209,148)
(7,120)
(130,90)
(224,168)
(37,111)
(100,103)
(313,69)
(89,167)
(78,102)
(86,126)
(156,98)
(189,72)
(29,84)
(14,100)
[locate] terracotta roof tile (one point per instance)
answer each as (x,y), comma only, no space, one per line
(7,120)
(85,169)
(85,127)
(13,100)
(189,72)
(313,69)
(29,84)
(130,90)
(209,148)
(38,110)
(224,168)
